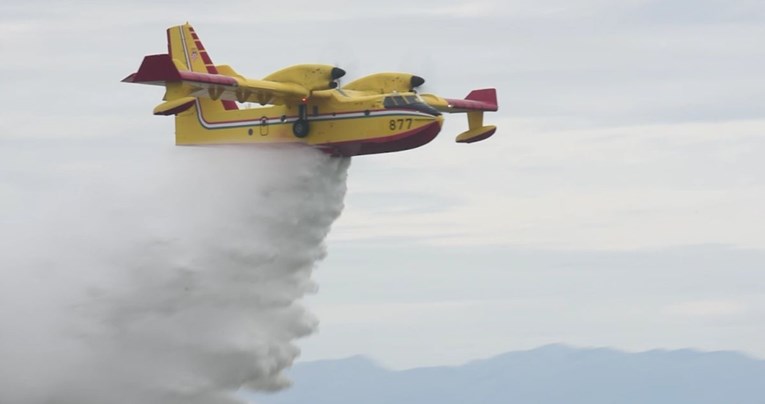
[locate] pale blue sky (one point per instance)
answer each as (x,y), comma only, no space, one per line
(619,204)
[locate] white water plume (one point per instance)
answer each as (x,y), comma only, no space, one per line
(173,281)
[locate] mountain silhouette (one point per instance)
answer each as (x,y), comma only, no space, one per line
(556,374)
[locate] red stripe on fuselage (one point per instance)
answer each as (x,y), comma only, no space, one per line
(339,115)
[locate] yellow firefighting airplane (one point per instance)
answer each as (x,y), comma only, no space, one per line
(300,104)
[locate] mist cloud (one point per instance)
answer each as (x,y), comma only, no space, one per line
(171,279)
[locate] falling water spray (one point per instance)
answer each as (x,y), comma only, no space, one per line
(174,279)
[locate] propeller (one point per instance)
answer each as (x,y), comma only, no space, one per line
(335,76)
(415,82)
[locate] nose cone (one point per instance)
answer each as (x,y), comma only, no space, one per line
(416,81)
(337,73)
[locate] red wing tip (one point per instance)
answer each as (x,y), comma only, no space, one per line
(471,105)
(129,79)
(486,96)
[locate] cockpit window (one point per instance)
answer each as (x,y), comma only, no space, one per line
(394,101)
(411,102)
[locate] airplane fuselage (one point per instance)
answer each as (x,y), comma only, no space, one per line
(338,122)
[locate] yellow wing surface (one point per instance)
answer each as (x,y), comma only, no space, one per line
(474,105)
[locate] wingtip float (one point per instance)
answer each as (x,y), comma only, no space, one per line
(378,113)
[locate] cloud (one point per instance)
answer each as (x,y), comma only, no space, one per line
(474,301)
(623,126)
(158,276)
(705,308)
(638,187)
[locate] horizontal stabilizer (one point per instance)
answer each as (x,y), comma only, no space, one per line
(160,69)
(174,107)
(155,69)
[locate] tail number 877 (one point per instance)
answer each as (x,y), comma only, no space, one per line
(399,124)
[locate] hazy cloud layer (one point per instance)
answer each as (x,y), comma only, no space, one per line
(469,302)
(626,127)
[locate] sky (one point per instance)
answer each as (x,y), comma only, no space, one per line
(619,203)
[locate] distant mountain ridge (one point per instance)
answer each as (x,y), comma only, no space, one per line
(551,374)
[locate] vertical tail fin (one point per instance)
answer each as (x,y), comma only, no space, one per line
(184,46)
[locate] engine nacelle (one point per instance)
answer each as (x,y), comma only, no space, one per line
(385,83)
(312,77)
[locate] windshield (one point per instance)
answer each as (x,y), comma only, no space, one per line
(394,101)
(412,102)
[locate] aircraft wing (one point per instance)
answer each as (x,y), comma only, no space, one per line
(475,104)
(477,100)
(277,88)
